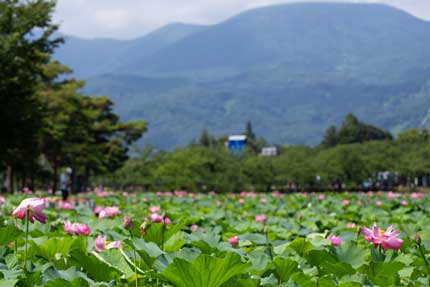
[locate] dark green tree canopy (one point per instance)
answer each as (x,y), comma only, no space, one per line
(353,131)
(43,113)
(26,42)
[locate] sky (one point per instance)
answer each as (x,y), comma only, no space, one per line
(127,19)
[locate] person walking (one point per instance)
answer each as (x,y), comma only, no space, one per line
(65,183)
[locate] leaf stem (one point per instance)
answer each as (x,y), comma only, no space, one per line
(26,239)
(16,239)
(135,259)
(420,248)
(162,236)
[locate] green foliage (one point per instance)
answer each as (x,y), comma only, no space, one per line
(353,131)
(44,114)
(8,234)
(204,271)
(200,168)
(291,250)
(26,40)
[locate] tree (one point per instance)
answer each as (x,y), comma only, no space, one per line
(199,169)
(26,42)
(205,139)
(353,131)
(61,115)
(254,144)
(330,137)
(414,136)
(343,164)
(296,166)
(259,172)
(81,131)
(249,132)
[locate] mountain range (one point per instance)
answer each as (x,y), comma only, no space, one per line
(291,69)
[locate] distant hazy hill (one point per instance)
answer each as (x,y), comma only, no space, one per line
(292,69)
(95,56)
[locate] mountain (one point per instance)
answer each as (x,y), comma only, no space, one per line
(89,57)
(143,48)
(292,69)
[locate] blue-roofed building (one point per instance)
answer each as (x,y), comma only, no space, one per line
(237,143)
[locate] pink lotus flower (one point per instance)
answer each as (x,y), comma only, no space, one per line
(167,221)
(101,244)
(98,209)
(276,194)
(102,193)
(154,209)
(351,225)
(391,194)
(263,200)
(260,218)
(415,195)
(378,203)
(403,203)
(345,202)
(2,200)
(182,193)
(110,211)
(335,240)
(66,205)
(387,239)
(26,190)
(321,196)
(34,207)
(156,218)
(77,228)
(194,227)
(241,201)
(251,194)
(234,241)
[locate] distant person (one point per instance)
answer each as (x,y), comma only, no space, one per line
(65,183)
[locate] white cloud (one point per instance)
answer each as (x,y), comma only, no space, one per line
(132,18)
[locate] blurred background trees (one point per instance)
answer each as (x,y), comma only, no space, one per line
(47,123)
(371,159)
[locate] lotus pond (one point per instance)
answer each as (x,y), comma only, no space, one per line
(231,240)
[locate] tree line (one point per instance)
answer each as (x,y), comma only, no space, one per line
(355,156)
(47,123)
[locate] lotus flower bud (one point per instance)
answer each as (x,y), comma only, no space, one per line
(417,238)
(144,228)
(234,241)
(128,222)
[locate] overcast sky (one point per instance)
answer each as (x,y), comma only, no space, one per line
(125,19)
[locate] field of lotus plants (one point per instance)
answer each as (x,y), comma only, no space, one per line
(229,240)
